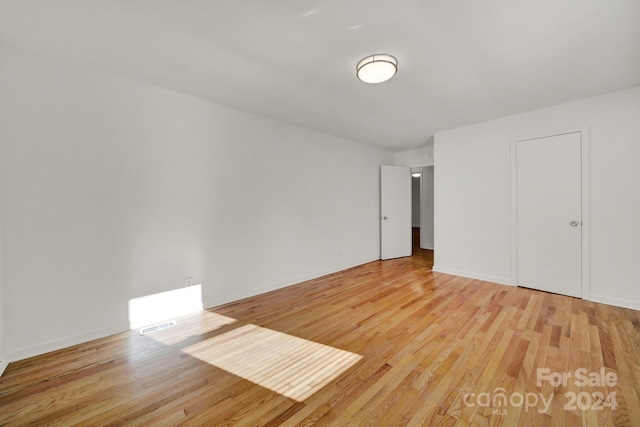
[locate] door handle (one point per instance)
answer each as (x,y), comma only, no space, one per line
(574,223)
(385,218)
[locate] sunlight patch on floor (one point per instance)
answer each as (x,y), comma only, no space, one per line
(291,366)
(195,324)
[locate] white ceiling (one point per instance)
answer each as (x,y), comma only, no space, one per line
(460,61)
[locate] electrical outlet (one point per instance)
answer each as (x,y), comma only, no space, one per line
(188,282)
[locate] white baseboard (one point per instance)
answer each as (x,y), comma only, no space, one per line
(618,302)
(272,287)
(63,342)
(3,365)
(603,299)
(13,355)
(484,277)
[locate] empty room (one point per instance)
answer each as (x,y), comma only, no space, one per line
(266,213)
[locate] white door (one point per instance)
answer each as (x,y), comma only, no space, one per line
(549,214)
(395,207)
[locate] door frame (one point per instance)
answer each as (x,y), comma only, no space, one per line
(584,161)
(429,164)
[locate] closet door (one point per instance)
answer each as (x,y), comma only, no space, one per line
(549,214)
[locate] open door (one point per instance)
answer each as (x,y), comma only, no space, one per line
(395,209)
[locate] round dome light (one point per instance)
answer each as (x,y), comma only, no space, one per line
(377,68)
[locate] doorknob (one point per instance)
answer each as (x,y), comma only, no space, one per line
(574,223)
(385,218)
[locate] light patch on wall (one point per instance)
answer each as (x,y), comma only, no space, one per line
(291,366)
(156,308)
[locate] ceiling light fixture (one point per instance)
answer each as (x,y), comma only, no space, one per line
(377,68)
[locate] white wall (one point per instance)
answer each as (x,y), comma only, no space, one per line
(472,193)
(113,189)
(426,210)
(421,156)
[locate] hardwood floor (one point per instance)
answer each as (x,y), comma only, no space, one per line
(413,347)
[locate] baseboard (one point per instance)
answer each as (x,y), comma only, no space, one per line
(618,302)
(3,365)
(484,277)
(272,287)
(427,246)
(13,355)
(602,299)
(63,342)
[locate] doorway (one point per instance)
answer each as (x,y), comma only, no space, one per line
(416,180)
(422,207)
(407,211)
